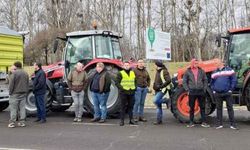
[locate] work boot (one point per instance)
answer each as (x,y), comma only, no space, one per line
(95,119)
(158,122)
(11,125)
(136,119)
(122,123)
(142,119)
(131,122)
(102,121)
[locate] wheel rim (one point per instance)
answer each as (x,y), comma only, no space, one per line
(113,95)
(30,102)
(183,106)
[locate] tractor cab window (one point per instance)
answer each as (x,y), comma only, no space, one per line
(116,48)
(78,49)
(103,47)
(239,48)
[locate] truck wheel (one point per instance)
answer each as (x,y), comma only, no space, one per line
(3,105)
(180,106)
(30,106)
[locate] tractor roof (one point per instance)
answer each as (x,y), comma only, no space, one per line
(93,32)
(239,30)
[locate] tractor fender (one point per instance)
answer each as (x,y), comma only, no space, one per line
(49,84)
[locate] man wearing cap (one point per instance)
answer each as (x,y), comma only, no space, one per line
(162,80)
(126,83)
(195,83)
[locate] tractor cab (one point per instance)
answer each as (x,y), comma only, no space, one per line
(84,46)
(237,52)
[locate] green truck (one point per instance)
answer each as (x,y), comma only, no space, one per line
(11,50)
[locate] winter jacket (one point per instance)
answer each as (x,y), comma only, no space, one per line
(76,80)
(158,83)
(223,80)
(103,82)
(142,77)
(198,87)
(19,82)
(39,82)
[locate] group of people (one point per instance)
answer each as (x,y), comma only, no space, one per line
(18,81)
(133,85)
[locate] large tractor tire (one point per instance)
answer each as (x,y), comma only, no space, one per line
(3,105)
(180,106)
(30,106)
(113,102)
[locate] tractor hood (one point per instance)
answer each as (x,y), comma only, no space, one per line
(55,70)
(207,66)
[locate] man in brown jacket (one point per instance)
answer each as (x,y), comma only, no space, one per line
(142,82)
(18,90)
(162,79)
(76,83)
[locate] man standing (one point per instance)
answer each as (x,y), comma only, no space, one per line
(195,83)
(162,79)
(18,90)
(126,82)
(39,90)
(223,83)
(76,82)
(100,88)
(142,82)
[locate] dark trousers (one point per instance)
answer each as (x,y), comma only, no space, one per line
(219,97)
(127,100)
(40,105)
(201,101)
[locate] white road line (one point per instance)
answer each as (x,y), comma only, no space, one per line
(100,124)
(8,148)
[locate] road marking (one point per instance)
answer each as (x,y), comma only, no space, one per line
(100,124)
(7,148)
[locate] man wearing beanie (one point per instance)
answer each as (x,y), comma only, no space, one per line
(162,79)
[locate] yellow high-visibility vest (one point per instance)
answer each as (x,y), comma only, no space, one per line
(128,81)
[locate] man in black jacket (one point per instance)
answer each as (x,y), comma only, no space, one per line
(39,90)
(100,87)
(195,83)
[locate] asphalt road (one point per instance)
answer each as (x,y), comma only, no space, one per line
(62,134)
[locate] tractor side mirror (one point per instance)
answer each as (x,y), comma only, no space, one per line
(55,46)
(218,40)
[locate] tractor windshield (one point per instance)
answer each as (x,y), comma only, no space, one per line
(239,49)
(78,49)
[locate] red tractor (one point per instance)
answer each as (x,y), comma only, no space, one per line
(237,56)
(88,47)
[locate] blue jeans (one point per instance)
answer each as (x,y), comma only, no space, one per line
(40,104)
(158,100)
(140,96)
(100,104)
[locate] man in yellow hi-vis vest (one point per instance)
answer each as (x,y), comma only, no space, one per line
(126,81)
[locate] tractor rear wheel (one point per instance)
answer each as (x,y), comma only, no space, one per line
(113,102)
(180,106)
(30,106)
